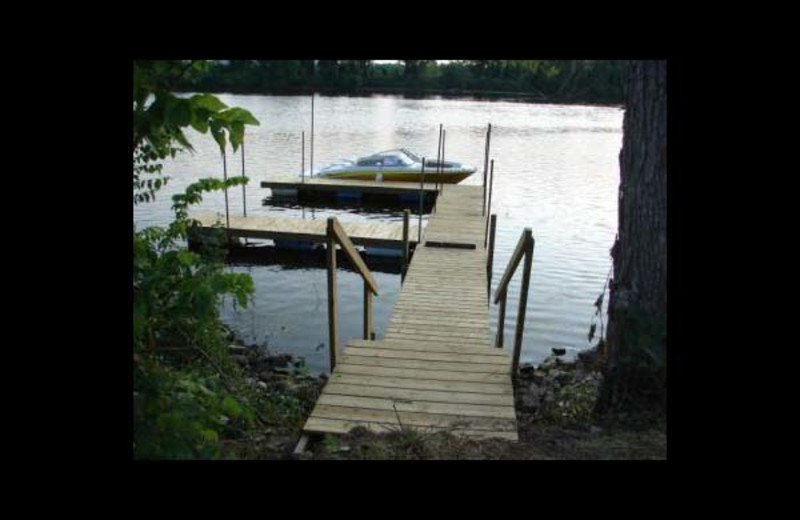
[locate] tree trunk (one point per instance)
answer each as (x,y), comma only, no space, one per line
(635,372)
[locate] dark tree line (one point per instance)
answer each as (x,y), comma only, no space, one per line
(596,81)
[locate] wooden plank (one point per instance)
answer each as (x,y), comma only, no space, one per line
(426,347)
(410,373)
(519,251)
(451,245)
(322,425)
(470,410)
(423,384)
(352,254)
(414,418)
(429,356)
(428,396)
(426,365)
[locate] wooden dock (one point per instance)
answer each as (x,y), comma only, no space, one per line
(436,367)
(377,234)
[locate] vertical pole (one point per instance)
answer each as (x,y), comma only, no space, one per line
(367,311)
(523,300)
(486,163)
(421,196)
(331,240)
(244,187)
(303,157)
(311,158)
(438,155)
(406,217)
(441,168)
(490,262)
(501,321)
(225,176)
(491,183)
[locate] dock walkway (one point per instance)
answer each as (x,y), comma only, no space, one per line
(436,367)
(279,228)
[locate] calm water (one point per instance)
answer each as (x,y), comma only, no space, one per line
(556,171)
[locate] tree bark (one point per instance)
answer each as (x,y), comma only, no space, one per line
(635,372)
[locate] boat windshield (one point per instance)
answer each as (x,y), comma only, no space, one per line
(388,158)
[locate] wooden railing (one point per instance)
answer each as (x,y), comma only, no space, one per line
(335,234)
(524,249)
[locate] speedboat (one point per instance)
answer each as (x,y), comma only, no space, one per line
(396,165)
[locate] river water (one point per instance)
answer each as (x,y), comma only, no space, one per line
(556,171)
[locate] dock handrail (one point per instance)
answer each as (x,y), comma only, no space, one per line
(524,249)
(336,234)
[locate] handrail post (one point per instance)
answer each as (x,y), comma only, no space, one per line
(501,322)
(367,312)
(331,242)
(406,218)
(490,260)
(523,299)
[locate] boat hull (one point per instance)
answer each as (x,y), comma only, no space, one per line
(430,176)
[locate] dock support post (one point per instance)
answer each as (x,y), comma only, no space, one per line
(490,261)
(491,183)
(523,299)
(501,322)
(406,218)
(486,167)
(421,198)
(441,163)
(311,151)
(368,334)
(438,157)
(331,242)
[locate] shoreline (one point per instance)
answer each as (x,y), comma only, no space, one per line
(554,402)
(406,93)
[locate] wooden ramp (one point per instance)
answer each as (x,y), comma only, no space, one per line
(362,233)
(436,368)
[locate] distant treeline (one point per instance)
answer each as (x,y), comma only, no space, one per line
(570,81)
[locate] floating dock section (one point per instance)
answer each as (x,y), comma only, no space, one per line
(377,234)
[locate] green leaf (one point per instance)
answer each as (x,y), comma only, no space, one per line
(237,134)
(218,132)
(208,102)
(240,115)
(209,436)
(231,407)
(178,112)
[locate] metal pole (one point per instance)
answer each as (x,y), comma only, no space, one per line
(491,183)
(311,172)
(490,262)
(421,196)
(225,176)
(486,164)
(523,300)
(244,186)
(303,157)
